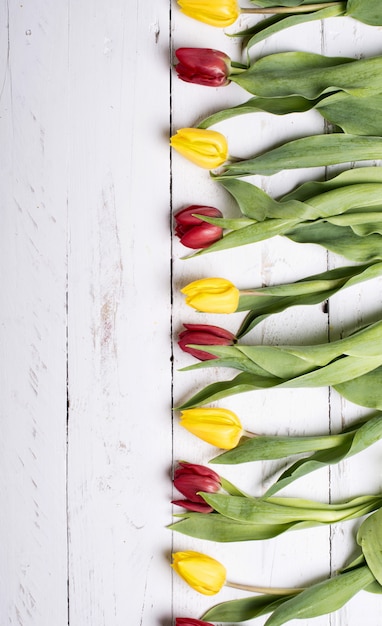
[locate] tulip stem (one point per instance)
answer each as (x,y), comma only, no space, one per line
(278,591)
(307,8)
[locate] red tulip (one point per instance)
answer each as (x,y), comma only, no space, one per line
(203,66)
(204,335)
(188,621)
(192,231)
(189,478)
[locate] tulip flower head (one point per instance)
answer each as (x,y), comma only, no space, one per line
(219,13)
(188,621)
(189,479)
(204,335)
(206,148)
(203,66)
(192,231)
(201,572)
(219,427)
(212,295)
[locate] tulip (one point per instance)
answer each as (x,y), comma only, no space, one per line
(203,66)
(206,148)
(201,572)
(214,12)
(212,295)
(204,335)
(190,478)
(194,232)
(188,621)
(219,427)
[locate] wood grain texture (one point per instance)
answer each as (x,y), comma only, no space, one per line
(119,314)
(33,251)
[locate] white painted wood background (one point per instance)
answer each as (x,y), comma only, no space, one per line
(90,293)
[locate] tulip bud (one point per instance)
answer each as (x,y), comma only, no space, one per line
(219,13)
(204,335)
(203,66)
(190,478)
(206,148)
(188,621)
(212,295)
(219,427)
(194,232)
(201,572)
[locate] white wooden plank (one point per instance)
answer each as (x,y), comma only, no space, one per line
(119,314)
(33,161)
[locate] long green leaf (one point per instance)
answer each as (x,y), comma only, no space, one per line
(277,23)
(216,527)
(311,290)
(276,511)
(356,441)
(347,375)
(265,448)
(313,151)
(245,608)
(276,106)
(310,75)
(369,537)
(322,598)
(365,390)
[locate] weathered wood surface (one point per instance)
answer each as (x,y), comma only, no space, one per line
(90,296)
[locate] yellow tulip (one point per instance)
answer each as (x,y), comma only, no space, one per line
(201,572)
(219,427)
(214,12)
(212,295)
(206,148)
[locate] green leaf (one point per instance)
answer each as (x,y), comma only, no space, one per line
(311,290)
(322,598)
(340,240)
(369,537)
(276,106)
(313,151)
(276,511)
(355,441)
(365,390)
(348,370)
(369,12)
(354,115)
(258,205)
(348,177)
(310,75)
(245,608)
(215,391)
(216,527)
(277,23)
(265,448)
